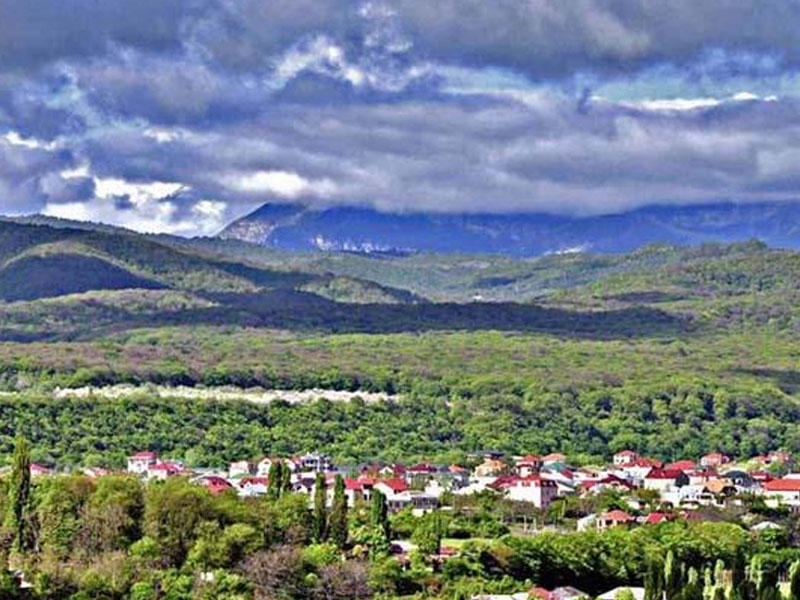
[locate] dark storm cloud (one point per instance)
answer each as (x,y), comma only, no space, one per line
(552,38)
(453,105)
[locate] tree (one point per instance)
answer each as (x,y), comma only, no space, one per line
(428,534)
(379,513)
(673,577)
(338,517)
(320,516)
(19,492)
(343,581)
(172,515)
(654,579)
(794,581)
(275,477)
(286,479)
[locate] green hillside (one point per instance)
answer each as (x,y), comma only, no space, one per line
(672,351)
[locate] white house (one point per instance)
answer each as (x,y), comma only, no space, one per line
(538,491)
(141,462)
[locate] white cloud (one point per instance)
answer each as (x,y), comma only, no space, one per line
(285,184)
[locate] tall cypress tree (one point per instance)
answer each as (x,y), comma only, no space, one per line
(794,581)
(286,479)
(379,514)
(673,577)
(654,579)
(320,516)
(19,492)
(275,477)
(338,518)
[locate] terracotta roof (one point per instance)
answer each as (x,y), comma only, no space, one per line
(655,518)
(626,453)
(682,465)
(253,481)
(529,459)
(664,474)
(396,485)
(783,485)
(617,516)
(145,455)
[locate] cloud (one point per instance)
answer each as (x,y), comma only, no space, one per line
(178,116)
(283,184)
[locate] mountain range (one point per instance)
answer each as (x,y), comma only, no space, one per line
(296,227)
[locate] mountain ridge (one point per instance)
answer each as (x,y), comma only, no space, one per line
(296,227)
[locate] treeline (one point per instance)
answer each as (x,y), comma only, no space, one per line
(678,421)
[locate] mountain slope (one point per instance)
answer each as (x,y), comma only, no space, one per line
(294,227)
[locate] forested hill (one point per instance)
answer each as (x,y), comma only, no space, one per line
(673,351)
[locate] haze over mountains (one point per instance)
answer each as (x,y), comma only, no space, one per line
(296,227)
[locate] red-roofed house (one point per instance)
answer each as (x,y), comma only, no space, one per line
(391,487)
(682,465)
(215,484)
(625,458)
(529,464)
(609,482)
(252,486)
(358,489)
(715,459)
(664,479)
(614,518)
(141,462)
(654,518)
(160,471)
(785,490)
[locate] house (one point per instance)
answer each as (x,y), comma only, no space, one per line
(530,464)
(239,468)
(533,489)
(609,482)
(393,489)
(252,486)
(655,518)
(315,462)
(491,467)
(625,458)
(141,462)
(785,490)
(420,472)
(161,470)
(214,483)
(682,465)
(662,479)
(358,490)
(419,502)
(715,459)
(614,518)
(738,478)
(554,457)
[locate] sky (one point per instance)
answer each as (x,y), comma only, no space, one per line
(179,116)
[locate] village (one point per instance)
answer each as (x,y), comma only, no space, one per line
(678,488)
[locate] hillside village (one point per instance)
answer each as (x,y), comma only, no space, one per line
(678,489)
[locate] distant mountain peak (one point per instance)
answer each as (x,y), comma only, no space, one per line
(349,229)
